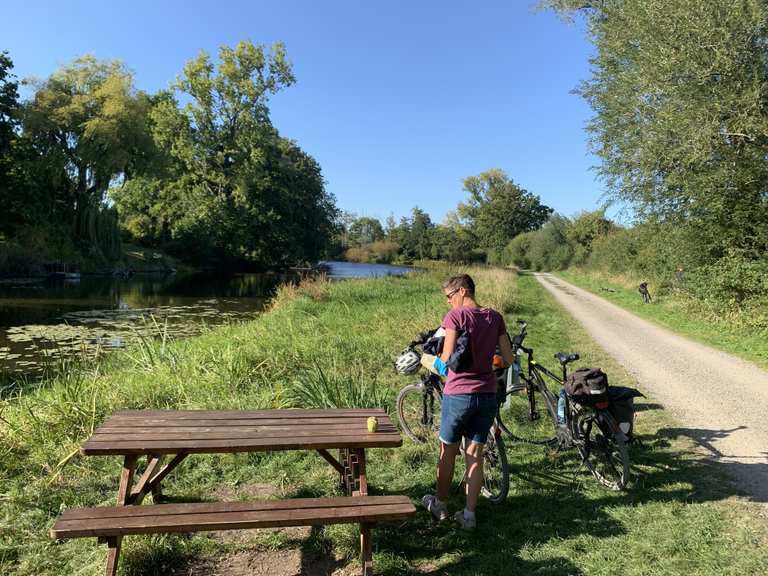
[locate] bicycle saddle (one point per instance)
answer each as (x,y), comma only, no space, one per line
(566,358)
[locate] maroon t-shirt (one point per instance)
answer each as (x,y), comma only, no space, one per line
(484,326)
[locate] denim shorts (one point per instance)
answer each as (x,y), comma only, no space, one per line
(468,415)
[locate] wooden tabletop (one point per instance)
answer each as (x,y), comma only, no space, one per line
(212,431)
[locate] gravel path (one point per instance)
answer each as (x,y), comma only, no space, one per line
(720,401)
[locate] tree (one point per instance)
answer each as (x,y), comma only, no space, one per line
(681,114)
(88,119)
(237,190)
(365,230)
(9,109)
(419,239)
(583,229)
(498,210)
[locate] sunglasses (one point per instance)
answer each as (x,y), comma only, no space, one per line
(450,294)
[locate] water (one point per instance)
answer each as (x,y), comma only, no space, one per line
(42,322)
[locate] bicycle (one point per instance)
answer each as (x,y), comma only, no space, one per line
(591,429)
(418,408)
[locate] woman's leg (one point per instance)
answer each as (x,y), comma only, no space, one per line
(445,469)
(474,460)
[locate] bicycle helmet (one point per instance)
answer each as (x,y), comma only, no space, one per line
(408,362)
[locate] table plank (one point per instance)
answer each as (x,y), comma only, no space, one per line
(232,520)
(93,447)
(208,431)
(277,413)
(212,507)
(225,433)
(204,429)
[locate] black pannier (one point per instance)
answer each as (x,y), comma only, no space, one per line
(587,386)
(622,407)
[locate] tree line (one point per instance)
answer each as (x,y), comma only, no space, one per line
(197,169)
(478,230)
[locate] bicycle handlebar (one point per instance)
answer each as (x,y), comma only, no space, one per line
(517,340)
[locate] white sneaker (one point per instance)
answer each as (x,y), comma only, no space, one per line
(438,509)
(464,522)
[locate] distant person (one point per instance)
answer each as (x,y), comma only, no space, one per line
(643,289)
(679,276)
(469,397)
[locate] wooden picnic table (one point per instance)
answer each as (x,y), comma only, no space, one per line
(174,434)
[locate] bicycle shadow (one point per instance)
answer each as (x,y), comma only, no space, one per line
(751,472)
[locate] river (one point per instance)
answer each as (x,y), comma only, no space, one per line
(41,323)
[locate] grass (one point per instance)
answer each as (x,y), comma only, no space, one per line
(333,344)
(675,310)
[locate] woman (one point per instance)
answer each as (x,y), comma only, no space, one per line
(469,396)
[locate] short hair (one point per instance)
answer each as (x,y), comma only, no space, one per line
(460,281)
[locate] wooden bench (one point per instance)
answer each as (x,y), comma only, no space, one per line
(110,524)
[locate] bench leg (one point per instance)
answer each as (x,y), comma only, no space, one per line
(362,477)
(366,549)
(113,555)
(123,495)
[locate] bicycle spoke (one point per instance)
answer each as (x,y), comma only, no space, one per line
(517,421)
(607,460)
(419,413)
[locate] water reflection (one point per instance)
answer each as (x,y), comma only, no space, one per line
(42,322)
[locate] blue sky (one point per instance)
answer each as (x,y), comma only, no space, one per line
(398,101)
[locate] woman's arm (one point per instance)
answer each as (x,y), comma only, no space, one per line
(449,344)
(506,349)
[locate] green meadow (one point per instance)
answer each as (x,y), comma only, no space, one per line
(325,344)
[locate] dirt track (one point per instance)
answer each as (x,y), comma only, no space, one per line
(720,401)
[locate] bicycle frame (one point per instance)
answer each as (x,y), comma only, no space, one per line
(535,378)
(433,385)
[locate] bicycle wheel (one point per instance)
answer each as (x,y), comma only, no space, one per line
(495,468)
(418,408)
(606,458)
(516,420)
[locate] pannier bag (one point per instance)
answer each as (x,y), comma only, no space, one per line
(622,407)
(587,386)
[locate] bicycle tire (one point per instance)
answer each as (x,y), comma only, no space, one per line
(419,415)
(606,458)
(495,468)
(514,417)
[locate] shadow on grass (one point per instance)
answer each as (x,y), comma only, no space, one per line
(556,499)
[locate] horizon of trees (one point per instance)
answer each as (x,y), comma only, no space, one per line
(478,230)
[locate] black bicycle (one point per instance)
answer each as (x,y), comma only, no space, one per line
(418,408)
(529,414)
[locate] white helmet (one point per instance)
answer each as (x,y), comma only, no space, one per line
(408,362)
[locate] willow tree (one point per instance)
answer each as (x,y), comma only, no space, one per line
(88,116)
(89,125)
(680,94)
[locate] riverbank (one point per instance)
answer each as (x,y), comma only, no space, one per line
(680,517)
(21,265)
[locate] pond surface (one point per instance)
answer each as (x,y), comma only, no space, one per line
(44,321)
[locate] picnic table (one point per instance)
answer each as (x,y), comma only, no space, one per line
(173,435)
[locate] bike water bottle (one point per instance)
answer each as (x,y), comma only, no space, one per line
(513,377)
(561,407)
